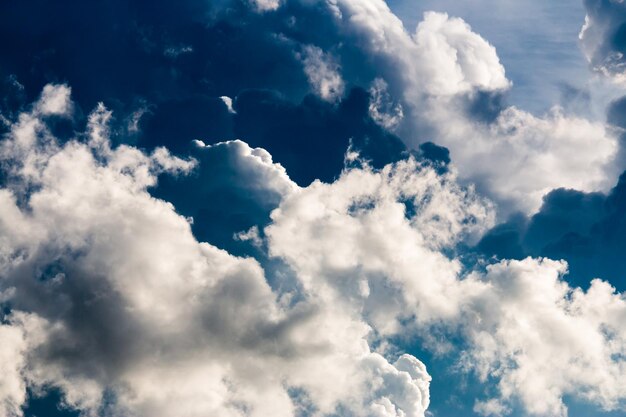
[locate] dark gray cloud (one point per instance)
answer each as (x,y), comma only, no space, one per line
(603,37)
(585,229)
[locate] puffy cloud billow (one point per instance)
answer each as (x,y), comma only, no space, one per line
(114,302)
(301,208)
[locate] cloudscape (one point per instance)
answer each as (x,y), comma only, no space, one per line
(313,208)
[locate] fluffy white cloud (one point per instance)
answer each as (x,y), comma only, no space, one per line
(356,243)
(544,340)
(254,166)
(442,57)
(516,158)
(117,305)
(55,100)
(12,386)
(519,157)
(387,229)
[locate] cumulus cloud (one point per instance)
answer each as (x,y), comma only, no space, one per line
(524,328)
(254,167)
(12,385)
(516,157)
(387,229)
(519,157)
(113,299)
(115,303)
(433,73)
(442,57)
(544,340)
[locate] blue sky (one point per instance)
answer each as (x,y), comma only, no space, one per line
(532,38)
(312,208)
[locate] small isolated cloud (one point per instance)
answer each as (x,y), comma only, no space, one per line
(323,73)
(229,104)
(55,100)
(175,51)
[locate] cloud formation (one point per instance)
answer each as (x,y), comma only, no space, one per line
(265,219)
(116,304)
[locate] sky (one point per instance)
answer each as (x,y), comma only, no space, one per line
(312,208)
(532,38)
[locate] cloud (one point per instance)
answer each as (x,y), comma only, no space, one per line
(266,5)
(114,302)
(585,229)
(602,37)
(519,157)
(524,328)
(387,229)
(381,108)
(55,100)
(442,57)
(437,74)
(117,305)
(513,156)
(322,72)
(12,386)
(543,340)
(229,104)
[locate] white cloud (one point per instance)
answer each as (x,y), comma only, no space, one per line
(229,104)
(266,5)
(55,100)
(112,294)
(519,157)
(515,159)
(322,72)
(525,328)
(442,57)
(114,298)
(254,167)
(12,386)
(386,230)
(544,340)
